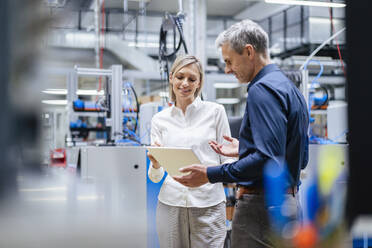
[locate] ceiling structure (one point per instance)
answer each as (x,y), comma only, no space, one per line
(214,7)
(78,20)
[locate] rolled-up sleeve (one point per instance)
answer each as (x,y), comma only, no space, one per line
(155,175)
(268,124)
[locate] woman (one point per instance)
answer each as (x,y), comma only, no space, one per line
(189,217)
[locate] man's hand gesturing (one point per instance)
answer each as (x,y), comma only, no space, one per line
(228,150)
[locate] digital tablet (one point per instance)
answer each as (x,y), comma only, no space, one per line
(173,158)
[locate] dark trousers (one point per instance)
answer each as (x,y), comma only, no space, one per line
(251,225)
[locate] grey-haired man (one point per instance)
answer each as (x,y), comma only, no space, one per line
(274,127)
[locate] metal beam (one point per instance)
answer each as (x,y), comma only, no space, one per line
(113,43)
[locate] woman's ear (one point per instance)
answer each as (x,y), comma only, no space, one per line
(170,77)
(199,84)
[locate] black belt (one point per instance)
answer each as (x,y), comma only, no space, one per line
(258,191)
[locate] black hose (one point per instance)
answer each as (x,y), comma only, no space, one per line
(163,56)
(137,106)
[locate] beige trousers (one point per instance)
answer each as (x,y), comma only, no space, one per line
(180,227)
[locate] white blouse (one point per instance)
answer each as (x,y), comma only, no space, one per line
(203,121)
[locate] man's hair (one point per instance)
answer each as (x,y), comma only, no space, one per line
(180,62)
(243,33)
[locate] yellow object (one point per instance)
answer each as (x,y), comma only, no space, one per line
(330,167)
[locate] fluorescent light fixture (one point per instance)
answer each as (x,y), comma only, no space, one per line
(89,197)
(55,91)
(51,199)
(324,20)
(227,100)
(55,102)
(226,85)
(308,3)
(89,92)
(43,189)
(78,92)
(143,44)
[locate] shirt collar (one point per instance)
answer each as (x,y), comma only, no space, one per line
(265,70)
(194,105)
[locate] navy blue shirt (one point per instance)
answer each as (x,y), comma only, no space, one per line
(274,126)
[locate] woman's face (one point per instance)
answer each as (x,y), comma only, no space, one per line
(185,82)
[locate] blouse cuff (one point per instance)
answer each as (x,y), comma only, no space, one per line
(156,174)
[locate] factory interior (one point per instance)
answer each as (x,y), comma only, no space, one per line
(81,81)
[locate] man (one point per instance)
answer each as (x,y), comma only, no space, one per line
(274,128)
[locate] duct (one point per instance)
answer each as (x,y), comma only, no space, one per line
(260,11)
(113,43)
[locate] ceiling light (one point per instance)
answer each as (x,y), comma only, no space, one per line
(89,92)
(143,44)
(308,3)
(51,199)
(227,85)
(55,91)
(43,189)
(78,92)
(227,100)
(55,102)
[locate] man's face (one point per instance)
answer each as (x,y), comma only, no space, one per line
(240,65)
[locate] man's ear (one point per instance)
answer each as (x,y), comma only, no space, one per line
(249,50)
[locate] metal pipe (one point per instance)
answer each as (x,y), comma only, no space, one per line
(142,20)
(96,29)
(191,21)
(93,72)
(180,7)
(125,16)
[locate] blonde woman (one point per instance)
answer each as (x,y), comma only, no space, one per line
(189,217)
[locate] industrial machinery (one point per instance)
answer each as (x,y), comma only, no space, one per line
(115,107)
(116,163)
(324,89)
(111,109)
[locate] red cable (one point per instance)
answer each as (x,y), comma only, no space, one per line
(338,47)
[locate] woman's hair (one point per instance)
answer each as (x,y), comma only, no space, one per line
(242,33)
(180,62)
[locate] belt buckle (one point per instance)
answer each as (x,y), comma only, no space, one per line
(245,190)
(239,193)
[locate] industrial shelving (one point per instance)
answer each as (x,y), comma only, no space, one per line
(113,115)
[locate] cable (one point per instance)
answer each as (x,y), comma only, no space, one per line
(320,72)
(340,135)
(137,106)
(338,46)
(129,139)
(170,23)
(313,83)
(129,88)
(176,22)
(321,46)
(313,139)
